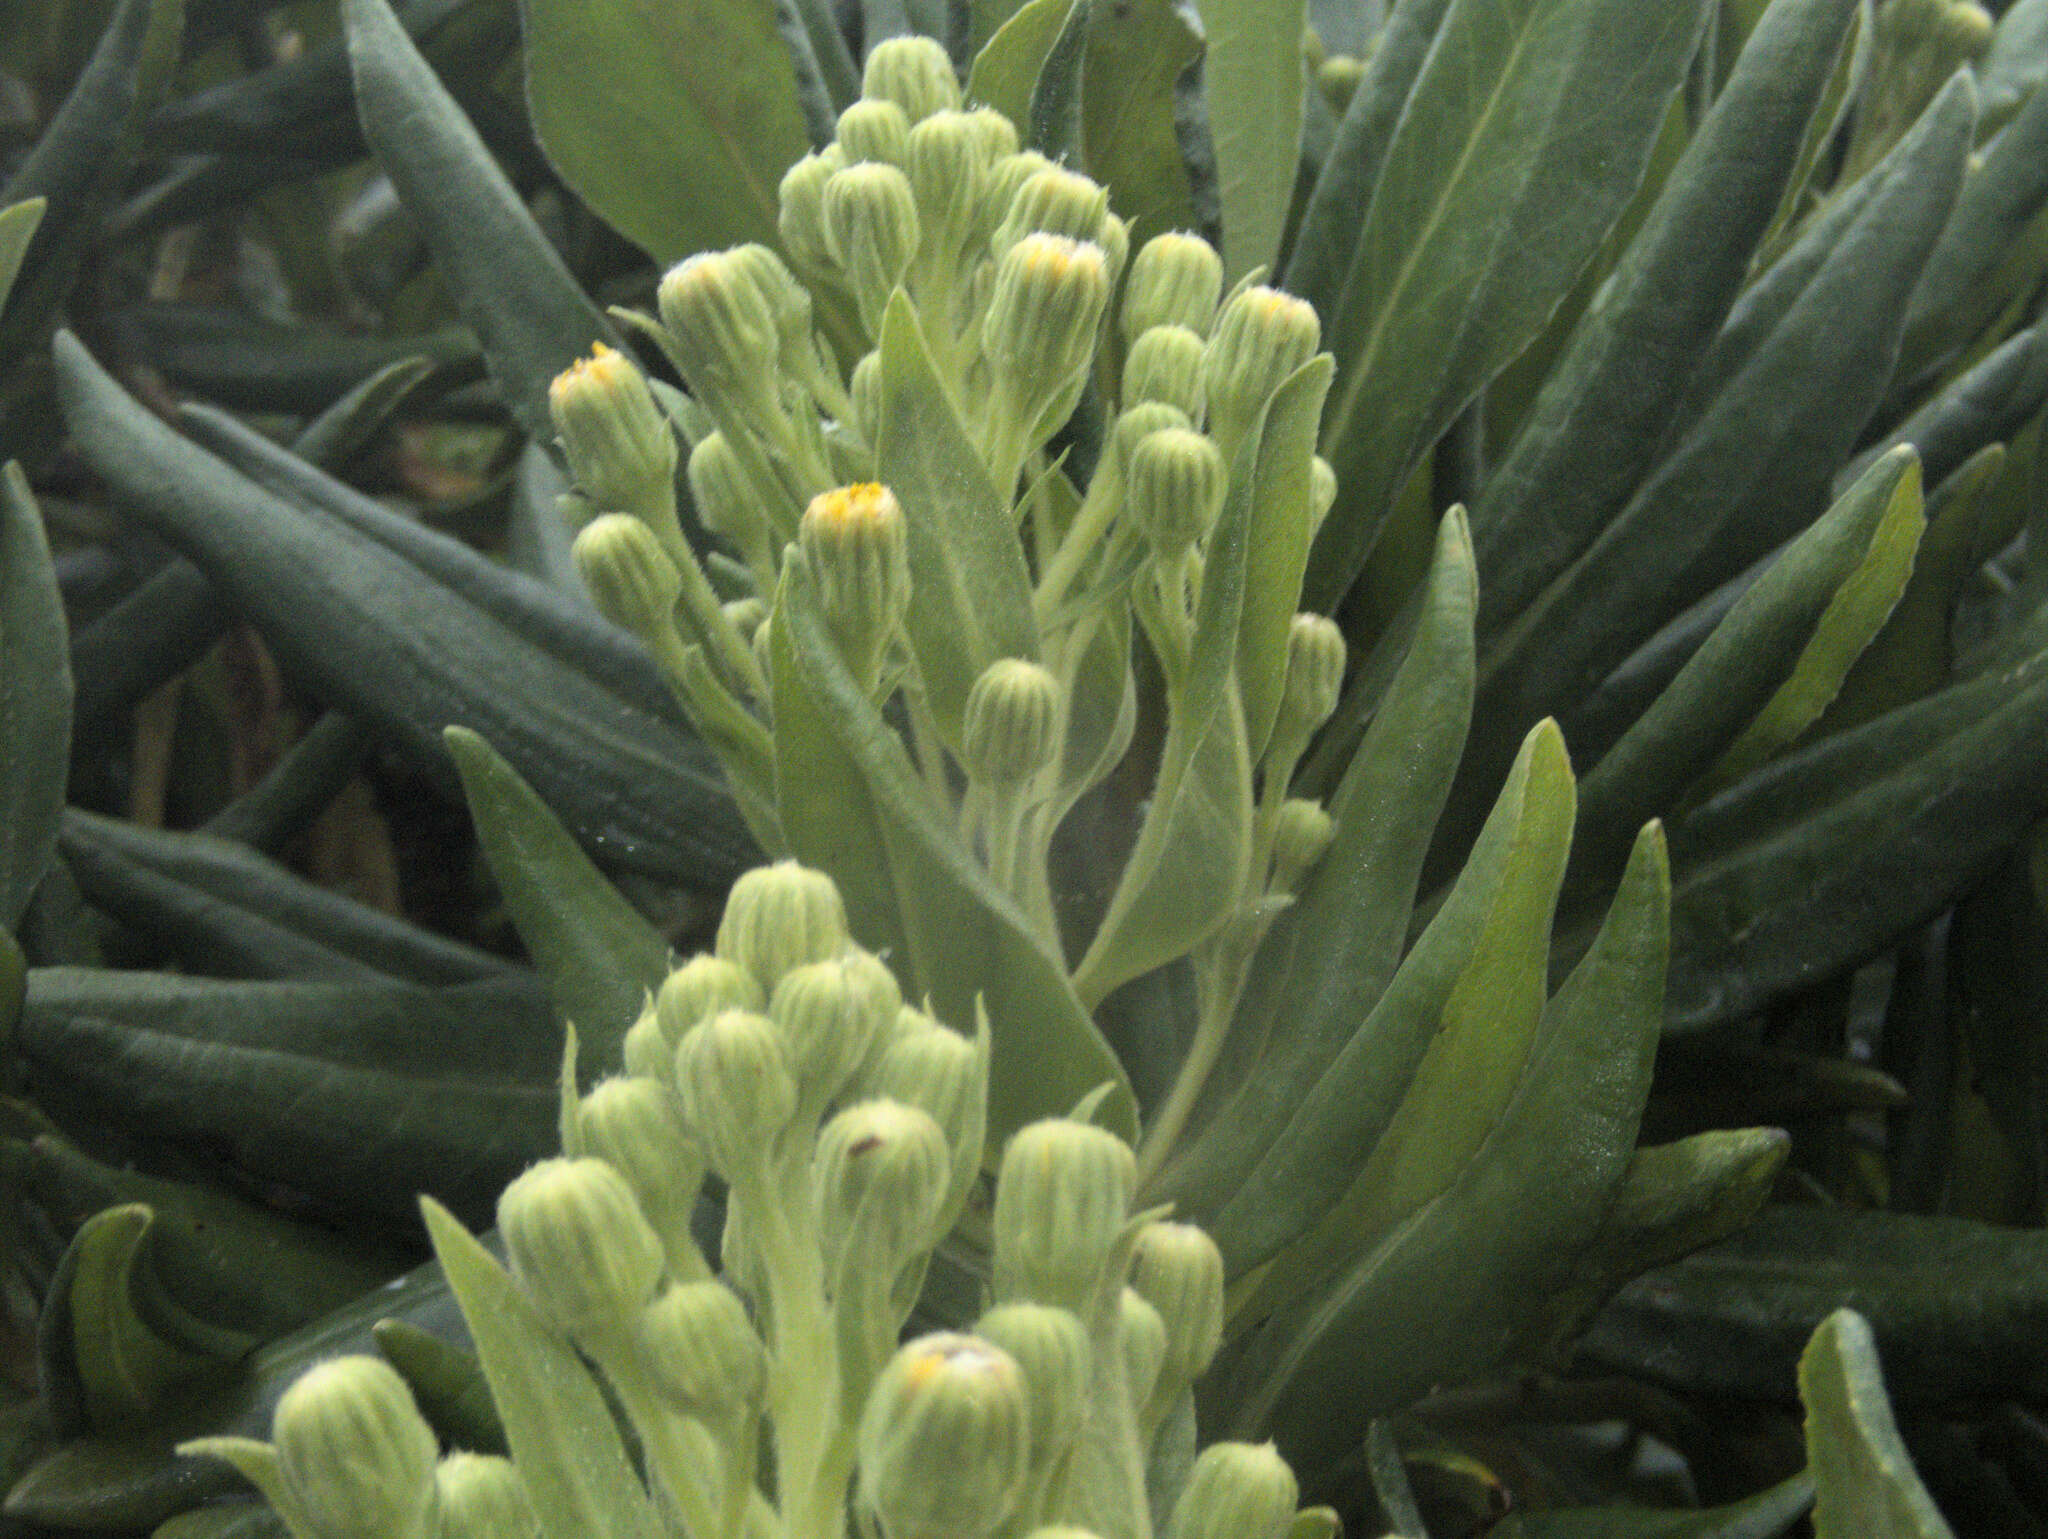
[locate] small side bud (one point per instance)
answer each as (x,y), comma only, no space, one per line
(947,167)
(579,1244)
(647,1052)
(1302,835)
(1141,1340)
(353,1452)
(481,1496)
(864,392)
(879,1181)
(725,500)
(1039,331)
(1175,281)
(704,1353)
(1051,1346)
(1165,364)
(871,229)
(723,328)
(830,1014)
(1236,1491)
(1338,77)
(801,218)
(1174,484)
(1261,337)
(1178,1270)
(873,130)
(946,1076)
(630,578)
(620,450)
(944,1440)
(1054,201)
(1010,729)
(789,302)
(914,73)
(1007,174)
(997,135)
(699,989)
(1140,422)
(1322,491)
(1062,1197)
(635,1126)
(779,917)
(1315,677)
(739,1096)
(856,548)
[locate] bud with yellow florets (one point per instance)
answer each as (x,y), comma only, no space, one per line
(579,1245)
(630,578)
(830,1014)
(855,547)
(482,1496)
(621,452)
(871,229)
(1039,331)
(944,1440)
(1175,280)
(1165,364)
(354,1455)
(1236,1491)
(739,1094)
(914,73)
(779,917)
(1063,1196)
(1010,729)
(1261,337)
(1174,485)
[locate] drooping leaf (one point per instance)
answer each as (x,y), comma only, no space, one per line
(1253,78)
(682,146)
(35,698)
(1864,1484)
(529,314)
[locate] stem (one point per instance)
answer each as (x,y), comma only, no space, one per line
(677,1449)
(1229,966)
(1082,540)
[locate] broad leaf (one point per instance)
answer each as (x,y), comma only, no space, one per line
(1253,77)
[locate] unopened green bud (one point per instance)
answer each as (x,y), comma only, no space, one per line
(1302,835)
(1006,177)
(646,1052)
(872,232)
(635,1125)
(864,391)
(579,1244)
(1039,332)
(353,1452)
(739,1096)
(998,137)
(1010,730)
(856,549)
(1261,337)
(618,444)
(1141,422)
(1315,677)
(944,1440)
(1174,485)
(1338,77)
(1141,1340)
(1165,364)
(779,917)
(723,327)
(1062,1197)
(1051,1346)
(879,1179)
(945,1075)
(1175,281)
(801,219)
(704,1353)
(947,167)
(1054,201)
(630,578)
(873,130)
(1236,1491)
(830,1014)
(745,615)
(1178,1270)
(725,499)
(1116,246)
(1322,491)
(702,987)
(914,73)
(788,301)
(481,1496)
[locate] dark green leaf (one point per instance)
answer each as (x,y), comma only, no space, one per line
(1253,79)
(1864,1485)
(1136,54)
(100,1484)
(1765,1515)
(447,1383)
(35,698)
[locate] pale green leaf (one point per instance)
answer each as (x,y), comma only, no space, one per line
(1864,1484)
(1254,79)
(1006,70)
(18,224)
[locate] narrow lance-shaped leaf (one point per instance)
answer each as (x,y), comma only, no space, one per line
(1006,70)
(1135,56)
(1253,77)
(1278,554)
(18,223)
(1864,1484)
(35,698)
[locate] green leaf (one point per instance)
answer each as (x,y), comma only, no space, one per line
(527,311)
(224,1520)
(1595,427)
(601,959)
(35,698)
(348,426)
(447,1383)
(557,1423)
(1006,69)
(2017,65)
(113,1483)
(1277,557)
(18,223)
(1136,54)
(1765,1515)
(1496,189)
(971,590)
(854,806)
(1993,400)
(1327,961)
(1053,126)
(1253,78)
(1864,1485)
(674,123)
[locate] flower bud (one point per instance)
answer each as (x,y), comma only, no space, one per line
(789,302)
(1010,730)
(630,578)
(1062,1197)
(635,1126)
(725,499)
(354,1453)
(1039,331)
(997,136)
(647,1052)
(944,1075)
(879,1179)
(618,444)
(947,168)
(739,1096)
(871,230)
(579,1244)
(873,130)
(1261,337)
(1007,175)
(1178,1270)
(1174,484)
(1315,677)
(481,1496)
(944,1440)
(1051,1346)
(723,327)
(830,1014)
(1115,242)
(856,549)
(1165,364)
(702,987)
(1302,835)
(781,916)
(864,391)
(1236,1491)
(745,615)
(704,1353)
(1054,201)
(1140,422)
(1141,1341)
(914,73)
(1322,491)
(801,220)
(1175,281)
(1337,78)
